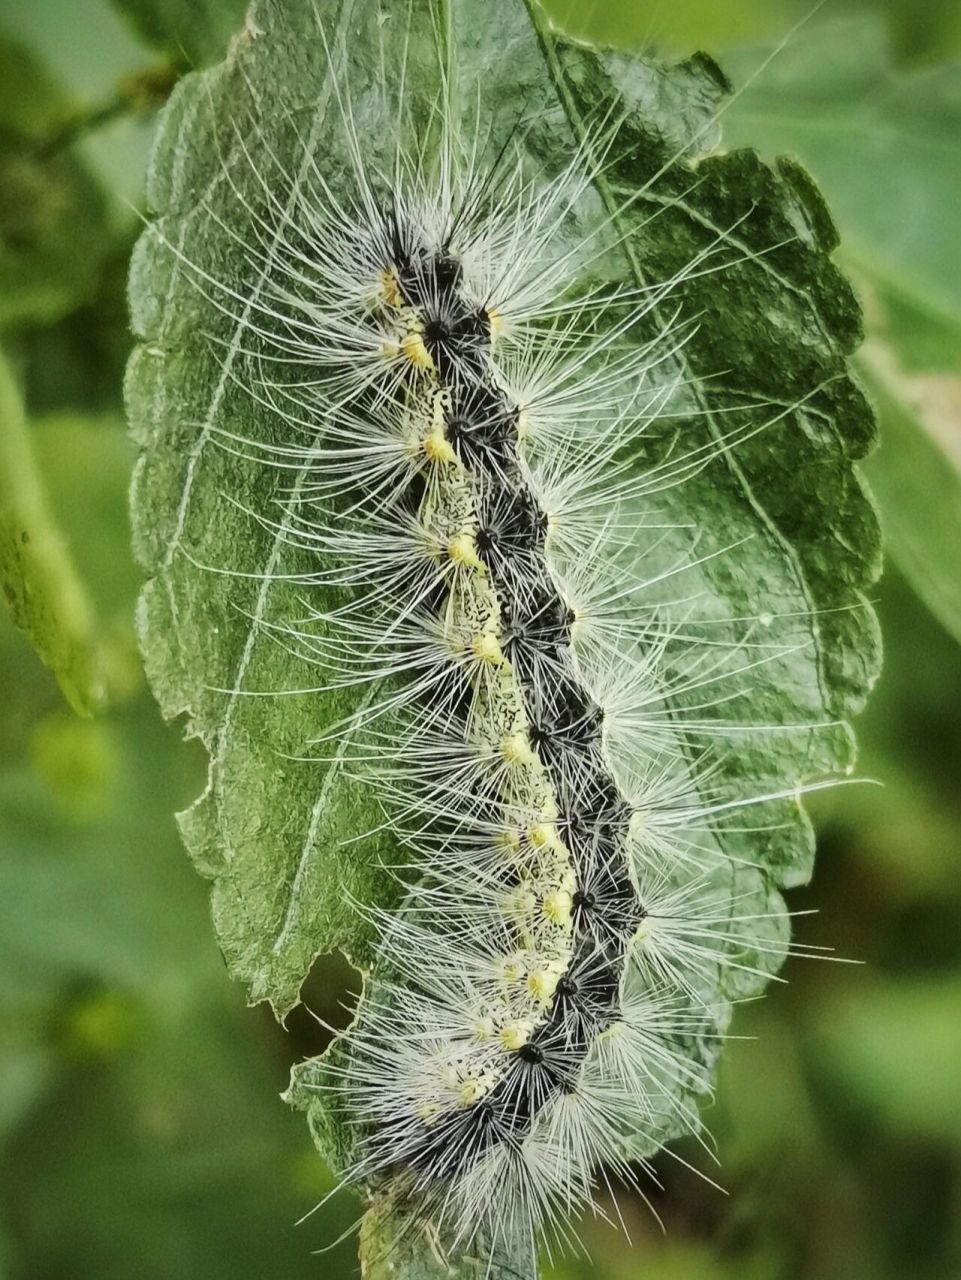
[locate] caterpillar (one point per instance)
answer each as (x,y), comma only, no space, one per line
(487,431)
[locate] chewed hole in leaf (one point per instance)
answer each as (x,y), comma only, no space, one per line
(328,1003)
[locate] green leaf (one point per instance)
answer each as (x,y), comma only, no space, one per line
(197,29)
(53,234)
(777,324)
(832,98)
(685,26)
(43,590)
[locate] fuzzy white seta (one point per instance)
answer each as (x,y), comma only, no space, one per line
(547,703)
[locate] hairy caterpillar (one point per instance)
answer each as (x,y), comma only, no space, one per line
(482,434)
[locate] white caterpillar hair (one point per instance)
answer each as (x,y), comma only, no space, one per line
(466,396)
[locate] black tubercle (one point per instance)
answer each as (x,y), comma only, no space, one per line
(537,621)
(512,528)
(448,271)
(482,427)
(605,905)
(456,333)
(565,725)
(455,337)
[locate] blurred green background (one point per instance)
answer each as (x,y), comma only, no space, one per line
(140,1129)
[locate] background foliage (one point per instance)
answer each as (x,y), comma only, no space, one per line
(139,1131)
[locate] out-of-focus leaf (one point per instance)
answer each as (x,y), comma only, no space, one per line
(199,30)
(90,896)
(916,474)
(667,1259)
(96,57)
(689,25)
(85,459)
(886,148)
(53,232)
(897,1053)
(169,1159)
(75,758)
(41,584)
(685,25)
(59,921)
(25,1068)
(904,835)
